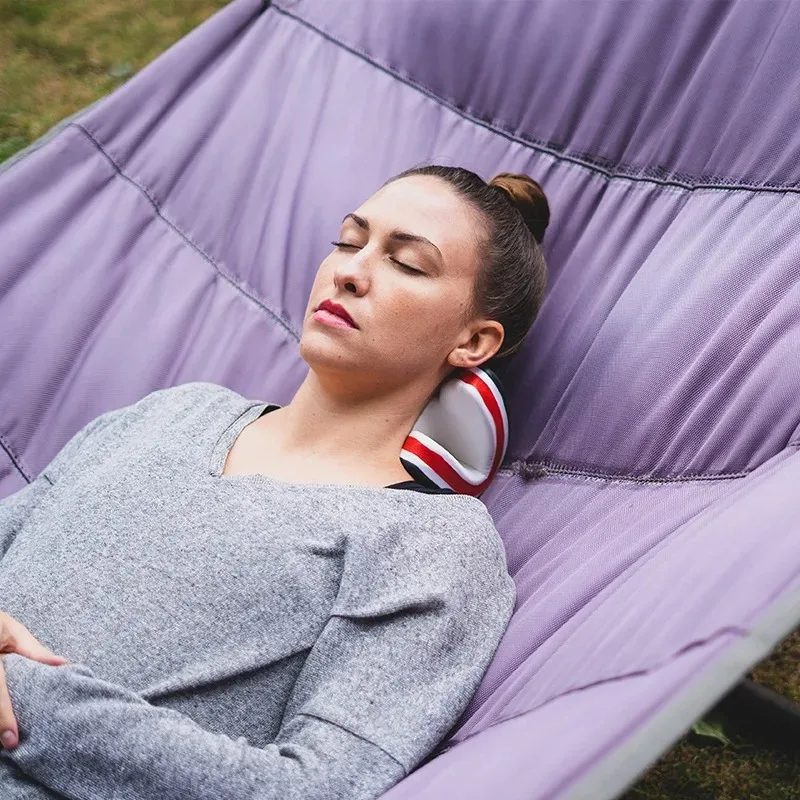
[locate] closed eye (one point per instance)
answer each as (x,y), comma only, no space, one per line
(405,267)
(408,269)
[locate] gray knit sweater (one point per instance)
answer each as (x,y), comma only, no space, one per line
(234,637)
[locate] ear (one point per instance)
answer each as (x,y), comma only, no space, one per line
(485,337)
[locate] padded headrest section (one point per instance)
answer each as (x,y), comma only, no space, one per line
(460,438)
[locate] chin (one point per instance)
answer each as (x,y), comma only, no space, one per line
(320,352)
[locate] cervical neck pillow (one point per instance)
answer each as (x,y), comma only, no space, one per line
(460,438)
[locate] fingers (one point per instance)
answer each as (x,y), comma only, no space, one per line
(9,733)
(38,652)
(16,638)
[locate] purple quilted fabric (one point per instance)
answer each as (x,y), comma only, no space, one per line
(171,233)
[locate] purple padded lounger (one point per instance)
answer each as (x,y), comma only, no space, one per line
(171,233)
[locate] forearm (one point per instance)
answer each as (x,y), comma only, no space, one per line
(87,738)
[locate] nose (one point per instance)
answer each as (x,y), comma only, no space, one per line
(352,273)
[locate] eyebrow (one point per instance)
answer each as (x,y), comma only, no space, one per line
(398,236)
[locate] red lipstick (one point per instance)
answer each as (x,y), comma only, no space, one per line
(333,314)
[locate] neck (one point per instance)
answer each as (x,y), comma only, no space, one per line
(328,419)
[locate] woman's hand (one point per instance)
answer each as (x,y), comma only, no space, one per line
(16,638)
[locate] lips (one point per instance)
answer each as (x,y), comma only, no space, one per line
(339,311)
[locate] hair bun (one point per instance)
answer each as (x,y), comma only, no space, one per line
(528,197)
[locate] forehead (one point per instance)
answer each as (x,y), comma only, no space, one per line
(426,206)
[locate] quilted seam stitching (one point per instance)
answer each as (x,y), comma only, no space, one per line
(712,510)
(16,460)
(542,468)
(538,146)
(247,292)
(548,467)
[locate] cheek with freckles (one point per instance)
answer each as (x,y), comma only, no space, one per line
(422,326)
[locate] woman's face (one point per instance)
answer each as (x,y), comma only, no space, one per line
(403,268)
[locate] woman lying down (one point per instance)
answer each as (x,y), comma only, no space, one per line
(252,601)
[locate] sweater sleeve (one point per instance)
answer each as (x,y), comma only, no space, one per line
(16,785)
(385,681)
(87,444)
(17,507)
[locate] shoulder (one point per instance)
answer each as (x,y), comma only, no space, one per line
(141,419)
(186,401)
(457,530)
(188,395)
(465,543)
(432,549)
(467,571)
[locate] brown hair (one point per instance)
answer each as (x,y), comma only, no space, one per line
(510,285)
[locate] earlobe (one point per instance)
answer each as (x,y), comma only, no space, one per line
(456,358)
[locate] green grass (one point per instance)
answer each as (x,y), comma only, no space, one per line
(58,56)
(702,768)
